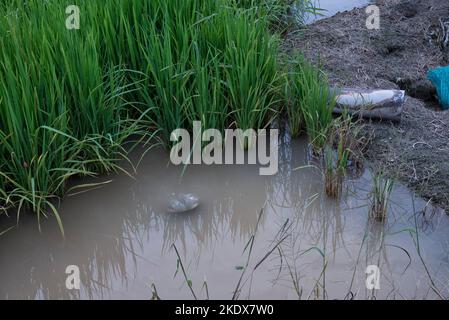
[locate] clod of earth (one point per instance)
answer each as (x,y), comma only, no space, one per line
(181,202)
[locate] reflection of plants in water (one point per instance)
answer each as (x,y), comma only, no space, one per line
(106,253)
(209,225)
(289,187)
(6,230)
(374,250)
(416,241)
(426,219)
(316,231)
(311,233)
(319,228)
(249,249)
(316,223)
(205,225)
(101,254)
(248,267)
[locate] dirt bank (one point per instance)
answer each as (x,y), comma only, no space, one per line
(409,43)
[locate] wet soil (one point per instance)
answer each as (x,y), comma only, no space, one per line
(398,56)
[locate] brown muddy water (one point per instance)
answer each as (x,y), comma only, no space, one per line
(121,238)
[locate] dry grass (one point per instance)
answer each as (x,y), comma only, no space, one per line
(415,151)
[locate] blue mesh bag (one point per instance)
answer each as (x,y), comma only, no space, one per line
(440,79)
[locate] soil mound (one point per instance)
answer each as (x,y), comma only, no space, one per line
(413,38)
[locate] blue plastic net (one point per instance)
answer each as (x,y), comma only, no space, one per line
(440,79)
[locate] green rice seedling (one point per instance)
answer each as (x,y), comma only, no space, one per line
(281,14)
(293,93)
(208,104)
(348,133)
(180,266)
(318,104)
(220,69)
(336,164)
(251,73)
(31,96)
(170,79)
(311,102)
(70,100)
(380,196)
(344,148)
(61,111)
(304,9)
(277,12)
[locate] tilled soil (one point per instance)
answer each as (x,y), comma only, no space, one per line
(409,43)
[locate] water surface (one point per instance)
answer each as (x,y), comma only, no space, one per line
(121,237)
(332,7)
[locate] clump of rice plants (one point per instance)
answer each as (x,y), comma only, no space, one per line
(71,99)
(62,111)
(278,12)
(380,196)
(251,73)
(318,104)
(336,164)
(344,150)
(293,91)
(311,103)
(346,134)
(208,61)
(282,14)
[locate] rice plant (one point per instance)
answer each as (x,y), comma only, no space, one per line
(282,14)
(343,151)
(208,61)
(251,73)
(293,91)
(311,102)
(61,110)
(336,164)
(71,101)
(305,9)
(346,137)
(380,196)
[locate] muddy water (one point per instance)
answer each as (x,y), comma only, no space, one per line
(331,7)
(121,238)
